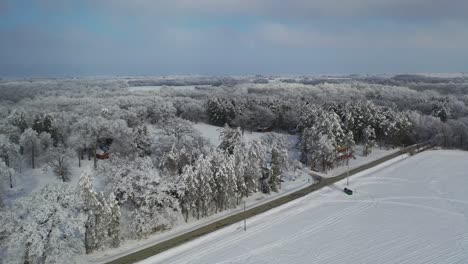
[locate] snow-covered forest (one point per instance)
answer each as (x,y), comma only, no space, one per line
(86,164)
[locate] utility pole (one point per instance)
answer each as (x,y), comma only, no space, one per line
(245,219)
(347,171)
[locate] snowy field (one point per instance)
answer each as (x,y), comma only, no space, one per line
(407,210)
(256,199)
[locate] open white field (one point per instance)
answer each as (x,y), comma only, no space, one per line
(413,210)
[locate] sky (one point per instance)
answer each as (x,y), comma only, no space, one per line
(58,38)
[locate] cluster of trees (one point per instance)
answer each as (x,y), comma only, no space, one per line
(325,129)
(235,170)
(45,227)
(322,128)
(252,113)
(148,201)
(103,216)
(161,170)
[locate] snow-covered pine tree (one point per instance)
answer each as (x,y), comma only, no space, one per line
(170,161)
(220,110)
(189,198)
(90,205)
(325,152)
(255,163)
(368,138)
(206,186)
(230,138)
(264,181)
(221,174)
(103,216)
(318,150)
(279,162)
(306,144)
(231,189)
(349,141)
(102,220)
(239,159)
(142,141)
(114,224)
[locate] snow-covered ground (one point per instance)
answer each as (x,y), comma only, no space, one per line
(158,88)
(301,180)
(407,210)
(293,181)
(212,133)
(29,180)
(358,160)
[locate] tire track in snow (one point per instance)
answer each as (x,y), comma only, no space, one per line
(195,234)
(323,224)
(254,226)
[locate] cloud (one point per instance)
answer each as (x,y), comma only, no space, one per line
(396,10)
(4,6)
(226,36)
(297,9)
(447,35)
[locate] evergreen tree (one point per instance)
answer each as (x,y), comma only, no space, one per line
(349,141)
(368,136)
(206,185)
(230,138)
(142,141)
(255,163)
(240,163)
(220,110)
(279,162)
(325,152)
(114,224)
(103,216)
(189,199)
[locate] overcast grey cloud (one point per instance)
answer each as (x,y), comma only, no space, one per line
(51,37)
(391,9)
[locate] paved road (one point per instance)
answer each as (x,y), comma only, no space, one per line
(323,182)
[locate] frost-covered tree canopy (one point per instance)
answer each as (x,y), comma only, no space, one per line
(145,166)
(46,227)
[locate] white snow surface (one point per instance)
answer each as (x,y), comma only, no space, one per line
(212,133)
(406,210)
(31,180)
(358,160)
(295,182)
